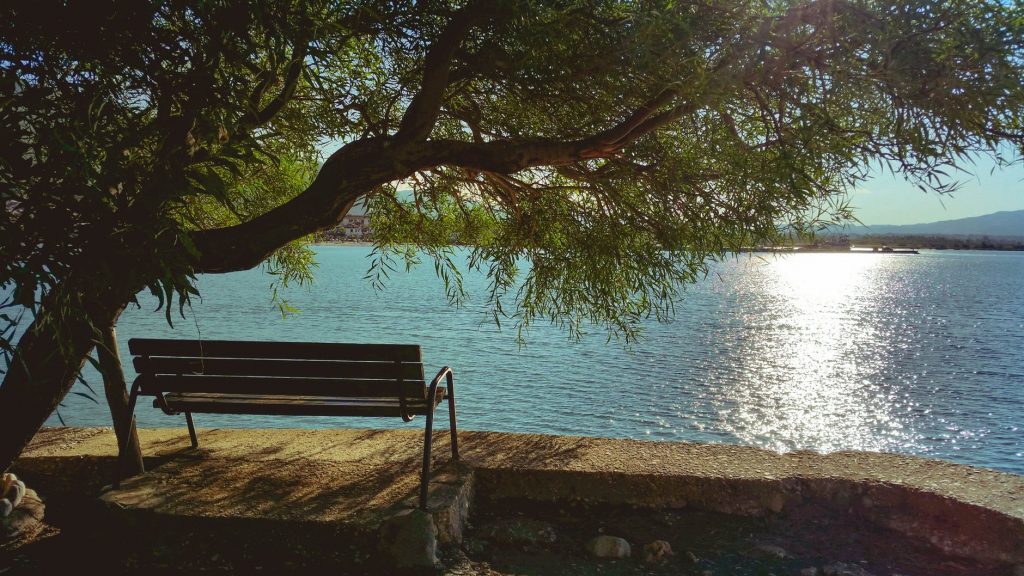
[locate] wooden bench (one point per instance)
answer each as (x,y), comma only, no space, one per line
(291,379)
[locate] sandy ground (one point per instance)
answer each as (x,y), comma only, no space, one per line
(305,480)
(390,455)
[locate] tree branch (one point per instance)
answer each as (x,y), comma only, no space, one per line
(361,166)
(623,129)
(506,157)
(349,173)
(420,117)
(257,117)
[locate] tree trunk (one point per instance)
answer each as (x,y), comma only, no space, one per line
(51,352)
(129,454)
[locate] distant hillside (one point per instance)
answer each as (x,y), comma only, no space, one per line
(1003,224)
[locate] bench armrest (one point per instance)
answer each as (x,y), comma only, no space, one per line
(445,372)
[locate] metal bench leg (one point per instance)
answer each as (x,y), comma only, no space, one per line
(428,438)
(191,429)
(451,417)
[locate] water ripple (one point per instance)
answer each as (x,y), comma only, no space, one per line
(920,355)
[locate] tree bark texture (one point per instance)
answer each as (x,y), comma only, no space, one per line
(129,454)
(51,352)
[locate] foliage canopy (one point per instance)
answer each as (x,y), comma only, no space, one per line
(614,146)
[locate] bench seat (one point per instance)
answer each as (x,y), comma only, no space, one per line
(276,405)
(291,379)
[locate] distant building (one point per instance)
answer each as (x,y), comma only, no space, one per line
(356,226)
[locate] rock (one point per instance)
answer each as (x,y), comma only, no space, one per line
(605,546)
(844,569)
(770,551)
(518,531)
(23,522)
(16,493)
(5,483)
(410,539)
(657,552)
(5,507)
(1018,570)
(812,571)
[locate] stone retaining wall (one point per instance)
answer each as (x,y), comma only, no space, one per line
(363,478)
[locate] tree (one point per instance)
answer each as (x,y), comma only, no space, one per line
(615,146)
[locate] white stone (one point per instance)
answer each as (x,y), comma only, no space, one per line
(6,481)
(605,546)
(17,493)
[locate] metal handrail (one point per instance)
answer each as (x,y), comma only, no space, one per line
(449,377)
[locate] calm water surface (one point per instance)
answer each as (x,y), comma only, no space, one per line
(910,354)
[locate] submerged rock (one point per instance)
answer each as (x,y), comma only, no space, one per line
(605,546)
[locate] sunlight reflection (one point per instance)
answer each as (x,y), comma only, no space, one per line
(807,379)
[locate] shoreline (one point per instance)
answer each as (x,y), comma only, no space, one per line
(577,457)
(779,250)
(279,498)
(342,243)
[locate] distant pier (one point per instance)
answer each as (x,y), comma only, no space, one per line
(831,250)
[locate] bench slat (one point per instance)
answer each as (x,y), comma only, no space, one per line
(262,349)
(276,367)
(339,387)
(292,406)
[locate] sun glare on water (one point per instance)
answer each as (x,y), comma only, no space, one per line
(807,379)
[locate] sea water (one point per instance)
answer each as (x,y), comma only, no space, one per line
(914,354)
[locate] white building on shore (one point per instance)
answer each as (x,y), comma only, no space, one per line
(356,224)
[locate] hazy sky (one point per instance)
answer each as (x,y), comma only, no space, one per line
(886,199)
(890,200)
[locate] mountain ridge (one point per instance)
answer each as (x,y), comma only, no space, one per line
(1007,223)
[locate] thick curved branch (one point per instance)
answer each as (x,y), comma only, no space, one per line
(420,117)
(506,157)
(349,173)
(361,166)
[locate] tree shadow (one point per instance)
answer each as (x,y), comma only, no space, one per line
(317,482)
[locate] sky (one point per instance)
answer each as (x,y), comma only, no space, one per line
(888,199)
(885,199)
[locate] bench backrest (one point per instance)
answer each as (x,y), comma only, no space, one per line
(278,368)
